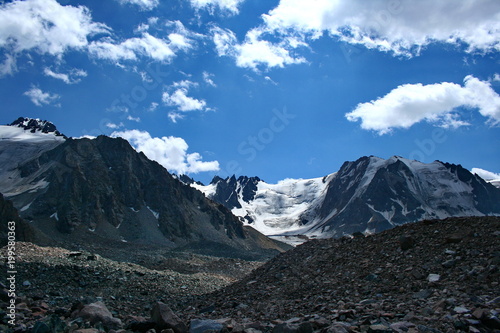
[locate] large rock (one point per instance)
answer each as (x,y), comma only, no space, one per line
(165,318)
(98,312)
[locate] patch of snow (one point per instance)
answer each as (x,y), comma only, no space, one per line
(155,214)
(26,207)
(55,216)
(208,190)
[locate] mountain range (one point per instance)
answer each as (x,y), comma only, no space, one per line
(77,191)
(83,191)
(368,195)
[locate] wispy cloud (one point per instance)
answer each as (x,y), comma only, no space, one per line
(9,66)
(171,152)
(136,119)
(114,126)
(207,77)
(147,45)
(436,103)
(74,76)
(40,98)
(143,4)
(225,6)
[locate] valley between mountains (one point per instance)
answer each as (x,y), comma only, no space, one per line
(109,240)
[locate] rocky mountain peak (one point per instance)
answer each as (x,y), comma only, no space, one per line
(36,125)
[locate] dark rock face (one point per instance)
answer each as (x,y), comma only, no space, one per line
(229,189)
(34,125)
(103,187)
(374,194)
(8,213)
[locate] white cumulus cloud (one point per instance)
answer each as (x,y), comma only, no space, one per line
(409,104)
(40,98)
(45,26)
(170,152)
(176,95)
(485,174)
(402,27)
(255,51)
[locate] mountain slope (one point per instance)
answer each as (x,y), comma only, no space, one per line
(102,190)
(367,195)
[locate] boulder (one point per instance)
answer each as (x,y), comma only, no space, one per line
(164,317)
(98,312)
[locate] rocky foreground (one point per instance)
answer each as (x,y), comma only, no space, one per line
(432,276)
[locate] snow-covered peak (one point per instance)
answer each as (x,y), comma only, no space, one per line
(35,125)
(30,130)
(10,133)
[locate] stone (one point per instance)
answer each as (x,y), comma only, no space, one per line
(293,326)
(74,254)
(406,242)
(164,317)
(423,294)
(52,323)
(98,312)
(167,330)
(491,321)
(401,326)
(418,274)
(141,326)
(368,301)
(379,328)
(433,277)
(479,313)
(201,326)
(41,327)
(460,310)
(454,238)
(449,263)
(338,327)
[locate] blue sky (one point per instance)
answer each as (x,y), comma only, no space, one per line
(275,89)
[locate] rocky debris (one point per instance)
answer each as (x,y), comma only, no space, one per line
(367,284)
(57,282)
(449,272)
